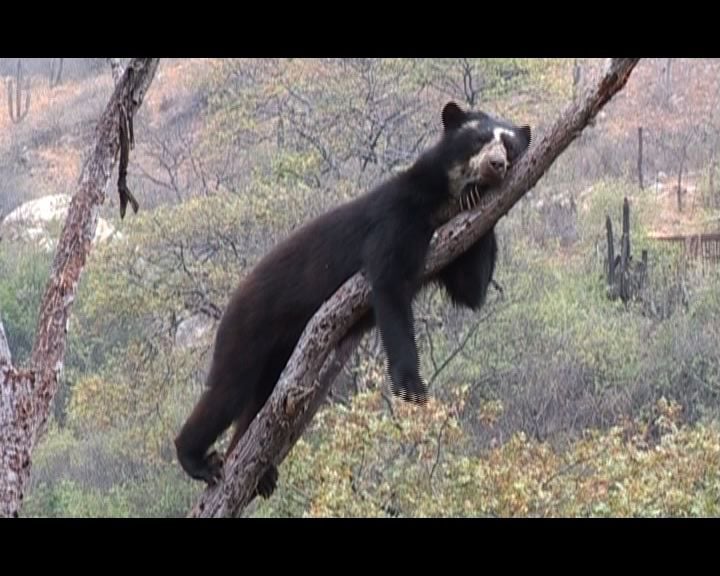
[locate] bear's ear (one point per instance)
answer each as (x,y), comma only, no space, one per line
(452,116)
(525,136)
(516,142)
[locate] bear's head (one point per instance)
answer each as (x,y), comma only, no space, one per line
(478,150)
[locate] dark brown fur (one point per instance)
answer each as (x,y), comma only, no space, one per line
(386,232)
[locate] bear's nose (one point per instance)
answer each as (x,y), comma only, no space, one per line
(498,165)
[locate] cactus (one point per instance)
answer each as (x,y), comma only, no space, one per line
(17,114)
(56,71)
(610,252)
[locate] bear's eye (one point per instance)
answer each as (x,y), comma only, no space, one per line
(480,143)
(481,139)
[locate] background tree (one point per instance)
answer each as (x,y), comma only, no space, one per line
(26,395)
(549,371)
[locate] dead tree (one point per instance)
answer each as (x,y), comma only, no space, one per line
(679,188)
(576,77)
(324,347)
(26,394)
(640,157)
(460,79)
(15,108)
(56,70)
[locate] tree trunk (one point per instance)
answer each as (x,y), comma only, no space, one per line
(711,203)
(640,157)
(323,348)
(679,189)
(26,396)
(576,73)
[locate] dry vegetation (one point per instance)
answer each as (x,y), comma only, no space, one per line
(554,400)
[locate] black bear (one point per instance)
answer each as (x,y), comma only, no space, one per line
(387,233)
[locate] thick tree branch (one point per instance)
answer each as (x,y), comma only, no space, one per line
(310,370)
(25,397)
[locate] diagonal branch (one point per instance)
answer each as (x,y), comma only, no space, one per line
(26,396)
(323,346)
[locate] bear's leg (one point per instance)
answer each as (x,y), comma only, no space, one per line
(468,277)
(212,415)
(392,305)
(268,482)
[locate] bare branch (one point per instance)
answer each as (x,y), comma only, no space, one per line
(437,370)
(438,451)
(25,397)
(309,372)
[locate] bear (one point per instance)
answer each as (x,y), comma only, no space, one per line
(385,232)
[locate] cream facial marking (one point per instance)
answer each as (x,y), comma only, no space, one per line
(498,132)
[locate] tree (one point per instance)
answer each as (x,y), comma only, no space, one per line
(26,394)
(323,348)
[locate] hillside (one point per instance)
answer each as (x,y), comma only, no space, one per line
(43,154)
(561,396)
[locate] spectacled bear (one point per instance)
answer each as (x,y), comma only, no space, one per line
(387,233)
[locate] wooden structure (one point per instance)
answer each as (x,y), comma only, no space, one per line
(703,248)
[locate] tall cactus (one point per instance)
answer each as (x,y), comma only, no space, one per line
(17,114)
(56,69)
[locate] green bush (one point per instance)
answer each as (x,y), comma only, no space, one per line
(24,273)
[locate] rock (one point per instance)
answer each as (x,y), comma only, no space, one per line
(33,221)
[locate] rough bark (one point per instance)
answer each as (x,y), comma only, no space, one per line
(26,396)
(323,347)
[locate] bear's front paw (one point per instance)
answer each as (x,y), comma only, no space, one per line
(213,468)
(409,387)
(267,484)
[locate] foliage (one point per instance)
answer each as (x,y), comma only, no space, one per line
(552,401)
(23,276)
(361,461)
(98,475)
